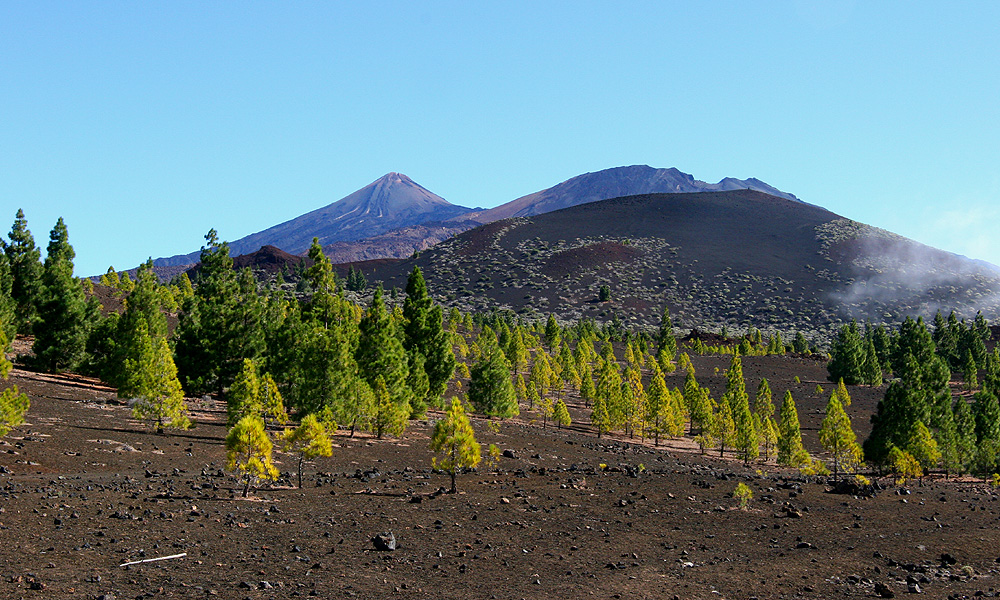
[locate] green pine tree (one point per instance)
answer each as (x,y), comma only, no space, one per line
(424,334)
(665,340)
(153,384)
(62,324)
(552,333)
(491,389)
(847,355)
(789,434)
(965,435)
(26,273)
(837,437)
(380,353)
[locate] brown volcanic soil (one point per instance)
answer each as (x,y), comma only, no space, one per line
(85,488)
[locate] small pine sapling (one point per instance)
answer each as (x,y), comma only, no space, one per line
(743,495)
(454,438)
(309,440)
(248,452)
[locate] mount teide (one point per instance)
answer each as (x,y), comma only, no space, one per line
(392,202)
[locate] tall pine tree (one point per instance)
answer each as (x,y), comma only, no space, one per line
(26,273)
(62,327)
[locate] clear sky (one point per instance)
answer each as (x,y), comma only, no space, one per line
(144,124)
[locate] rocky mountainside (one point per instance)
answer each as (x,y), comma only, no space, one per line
(392,202)
(615,183)
(734,258)
(590,187)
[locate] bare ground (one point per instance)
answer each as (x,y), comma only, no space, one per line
(86,488)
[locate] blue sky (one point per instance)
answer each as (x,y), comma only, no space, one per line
(144,124)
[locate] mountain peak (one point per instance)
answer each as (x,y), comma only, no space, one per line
(616,182)
(392,201)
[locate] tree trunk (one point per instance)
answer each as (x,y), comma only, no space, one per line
(300,471)
(454,468)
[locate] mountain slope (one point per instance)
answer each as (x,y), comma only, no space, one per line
(735,258)
(392,202)
(615,183)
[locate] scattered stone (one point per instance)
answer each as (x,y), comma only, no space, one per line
(883,591)
(384,541)
(509,454)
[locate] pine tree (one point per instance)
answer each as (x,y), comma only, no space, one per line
(454,438)
(842,394)
(871,370)
(698,406)
(789,434)
(424,334)
(916,342)
(541,373)
(390,417)
(910,399)
(847,355)
(248,452)
(659,407)
(965,435)
(270,400)
(837,436)
(609,389)
(516,352)
(747,441)
(923,447)
(599,416)
(220,324)
(309,440)
(763,405)
(8,308)
(13,404)
(491,390)
(724,427)
(986,412)
(971,371)
(561,415)
(768,436)
(151,380)
(665,340)
(380,353)
(635,401)
(244,397)
(62,327)
(26,273)
(552,333)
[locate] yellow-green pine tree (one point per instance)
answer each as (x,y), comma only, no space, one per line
(309,440)
(248,452)
(454,438)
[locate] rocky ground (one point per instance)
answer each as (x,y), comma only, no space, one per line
(85,488)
